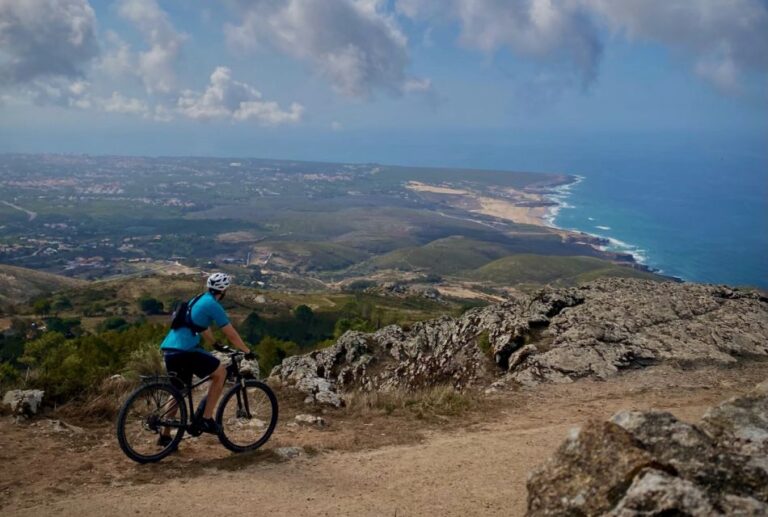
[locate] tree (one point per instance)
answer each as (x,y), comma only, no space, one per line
(65,326)
(253,328)
(304,314)
(61,303)
(113,323)
(149,305)
(42,306)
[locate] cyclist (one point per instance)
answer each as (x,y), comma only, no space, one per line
(184,355)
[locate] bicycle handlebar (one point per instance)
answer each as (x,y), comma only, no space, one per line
(225,349)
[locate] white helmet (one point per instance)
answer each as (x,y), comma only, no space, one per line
(219,281)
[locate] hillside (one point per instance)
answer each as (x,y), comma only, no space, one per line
(558,270)
(20,284)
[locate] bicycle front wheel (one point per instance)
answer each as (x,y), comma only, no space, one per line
(247,416)
(150,411)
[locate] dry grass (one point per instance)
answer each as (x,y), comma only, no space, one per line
(103,404)
(427,403)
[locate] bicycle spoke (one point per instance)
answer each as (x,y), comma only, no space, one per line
(147,414)
(247,417)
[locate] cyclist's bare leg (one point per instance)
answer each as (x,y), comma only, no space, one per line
(214,390)
(173,409)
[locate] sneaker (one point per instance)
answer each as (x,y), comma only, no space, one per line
(207,425)
(164,441)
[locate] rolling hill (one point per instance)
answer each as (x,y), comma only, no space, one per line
(544,269)
(19,284)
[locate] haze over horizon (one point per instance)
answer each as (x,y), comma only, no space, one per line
(406,81)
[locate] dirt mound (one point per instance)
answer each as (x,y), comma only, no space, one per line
(554,335)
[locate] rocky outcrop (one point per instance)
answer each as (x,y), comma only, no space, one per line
(650,463)
(629,324)
(23,402)
(554,335)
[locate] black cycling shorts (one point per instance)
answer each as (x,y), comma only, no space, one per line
(185,364)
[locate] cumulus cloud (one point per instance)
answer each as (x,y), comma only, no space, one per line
(42,39)
(117,59)
(59,91)
(540,29)
(227,98)
(119,103)
(353,43)
(156,65)
(724,38)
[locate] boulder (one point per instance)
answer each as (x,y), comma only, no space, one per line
(650,463)
(23,402)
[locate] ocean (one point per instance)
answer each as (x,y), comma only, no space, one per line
(697,214)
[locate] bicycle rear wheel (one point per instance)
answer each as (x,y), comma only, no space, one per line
(247,416)
(143,417)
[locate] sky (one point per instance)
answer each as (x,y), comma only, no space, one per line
(370,80)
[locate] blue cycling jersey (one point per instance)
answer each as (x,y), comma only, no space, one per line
(205,312)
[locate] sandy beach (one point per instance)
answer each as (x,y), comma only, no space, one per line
(511,204)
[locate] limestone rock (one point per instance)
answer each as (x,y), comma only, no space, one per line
(310,420)
(623,323)
(288,453)
(553,335)
(650,463)
(657,493)
(577,481)
(23,402)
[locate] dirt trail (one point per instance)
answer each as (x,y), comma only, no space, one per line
(477,469)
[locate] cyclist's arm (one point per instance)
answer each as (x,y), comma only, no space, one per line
(234,338)
(208,336)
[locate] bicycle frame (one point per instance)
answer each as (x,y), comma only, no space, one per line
(186,393)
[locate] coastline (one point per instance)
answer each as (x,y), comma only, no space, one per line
(624,251)
(536,205)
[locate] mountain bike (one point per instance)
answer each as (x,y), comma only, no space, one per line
(247,413)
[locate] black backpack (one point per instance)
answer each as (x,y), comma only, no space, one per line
(182,316)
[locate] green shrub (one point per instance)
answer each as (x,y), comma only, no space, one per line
(67,368)
(61,303)
(271,352)
(66,326)
(42,306)
(484,342)
(147,359)
(345,324)
(113,323)
(150,306)
(9,376)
